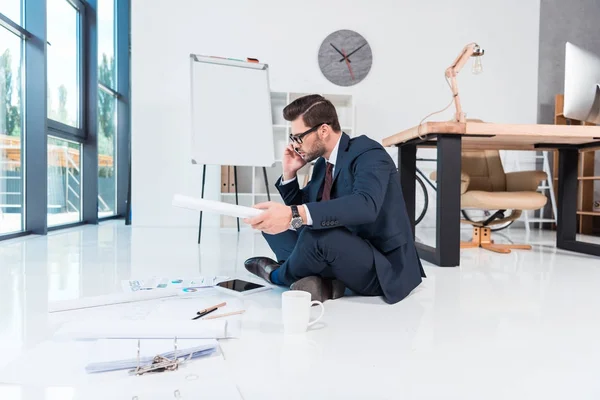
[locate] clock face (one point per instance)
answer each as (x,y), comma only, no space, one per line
(345,57)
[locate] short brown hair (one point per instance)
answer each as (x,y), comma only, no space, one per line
(314,109)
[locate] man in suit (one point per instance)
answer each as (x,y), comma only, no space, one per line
(348,228)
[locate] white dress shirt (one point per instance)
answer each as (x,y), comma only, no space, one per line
(332,159)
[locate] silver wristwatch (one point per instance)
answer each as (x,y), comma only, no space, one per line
(296,221)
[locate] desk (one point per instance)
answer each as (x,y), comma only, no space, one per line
(452,137)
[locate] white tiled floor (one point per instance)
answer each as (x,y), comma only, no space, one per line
(518,326)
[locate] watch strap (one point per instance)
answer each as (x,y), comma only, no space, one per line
(295,213)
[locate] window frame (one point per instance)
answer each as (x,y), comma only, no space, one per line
(14,27)
(122,48)
(37,127)
(57,128)
(23,36)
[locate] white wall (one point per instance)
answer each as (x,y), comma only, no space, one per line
(412,42)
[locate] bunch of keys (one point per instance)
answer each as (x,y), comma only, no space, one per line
(159,363)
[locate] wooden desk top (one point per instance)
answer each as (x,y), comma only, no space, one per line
(483,135)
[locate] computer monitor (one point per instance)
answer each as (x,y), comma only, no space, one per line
(582,85)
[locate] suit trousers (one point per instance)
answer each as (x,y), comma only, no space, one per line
(329,253)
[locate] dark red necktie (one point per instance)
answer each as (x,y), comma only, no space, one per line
(328,183)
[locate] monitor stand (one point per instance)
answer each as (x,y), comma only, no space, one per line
(594,115)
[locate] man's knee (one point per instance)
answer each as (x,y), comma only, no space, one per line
(321,238)
(310,236)
(281,244)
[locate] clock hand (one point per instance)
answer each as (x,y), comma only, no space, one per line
(347,57)
(336,49)
(348,64)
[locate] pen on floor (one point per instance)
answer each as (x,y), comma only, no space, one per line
(208,310)
(223,304)
(200,315)
(225,315)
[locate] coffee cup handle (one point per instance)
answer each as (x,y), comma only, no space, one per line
(312,303)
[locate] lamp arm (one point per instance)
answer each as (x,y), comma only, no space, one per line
(454,69)
(462,59)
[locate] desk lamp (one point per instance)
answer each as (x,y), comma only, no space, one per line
(470,50)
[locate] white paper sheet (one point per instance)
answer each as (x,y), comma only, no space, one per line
(139,290)
(148,329)
(216,207)
(108,299)
(175,284)
(179,309)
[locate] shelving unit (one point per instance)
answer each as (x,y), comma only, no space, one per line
(251,181)
(547,188)
(588,220)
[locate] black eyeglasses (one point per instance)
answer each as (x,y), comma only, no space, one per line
(298,138)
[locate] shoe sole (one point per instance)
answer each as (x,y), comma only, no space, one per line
(319,288)
(337,289)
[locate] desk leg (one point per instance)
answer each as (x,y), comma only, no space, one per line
(407,164)
(446,252)
(566,224)
(448,201)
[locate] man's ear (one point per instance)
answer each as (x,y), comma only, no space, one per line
(325,131)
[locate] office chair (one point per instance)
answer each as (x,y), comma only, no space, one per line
(485,186)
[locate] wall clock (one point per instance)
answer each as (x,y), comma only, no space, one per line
(345,57)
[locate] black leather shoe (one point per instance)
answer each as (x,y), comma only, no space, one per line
(261,267)
(337,289)
(319,288)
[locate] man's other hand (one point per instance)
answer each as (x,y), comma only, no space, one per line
(275,218)
(291,162)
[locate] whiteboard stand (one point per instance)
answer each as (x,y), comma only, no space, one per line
(223,89)
(236,195)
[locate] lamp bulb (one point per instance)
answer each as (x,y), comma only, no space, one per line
(477,66)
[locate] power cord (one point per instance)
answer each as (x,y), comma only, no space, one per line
(437,112)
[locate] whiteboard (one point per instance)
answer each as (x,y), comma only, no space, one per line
(231,112)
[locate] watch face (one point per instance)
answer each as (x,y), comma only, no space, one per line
(345,57)
(296,223)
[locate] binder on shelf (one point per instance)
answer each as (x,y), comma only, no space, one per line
(232,187)
(225,179)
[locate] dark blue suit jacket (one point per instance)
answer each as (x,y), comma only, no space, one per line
(367,199)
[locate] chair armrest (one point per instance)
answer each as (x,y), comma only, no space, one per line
(524,181)
(464,180)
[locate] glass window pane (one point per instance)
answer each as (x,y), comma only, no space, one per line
(107,152)
(106,43)
(13,10)
(11,145)
(64,182)
(63,62)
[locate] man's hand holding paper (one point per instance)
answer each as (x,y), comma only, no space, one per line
(274,219)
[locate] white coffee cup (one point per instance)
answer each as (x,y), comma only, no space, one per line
(295,306)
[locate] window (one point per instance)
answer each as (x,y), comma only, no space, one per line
(11,143)
(75,50)
(64,66)
(107,110)
(106,43)
(64,182)
(65,112)
(107,132)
